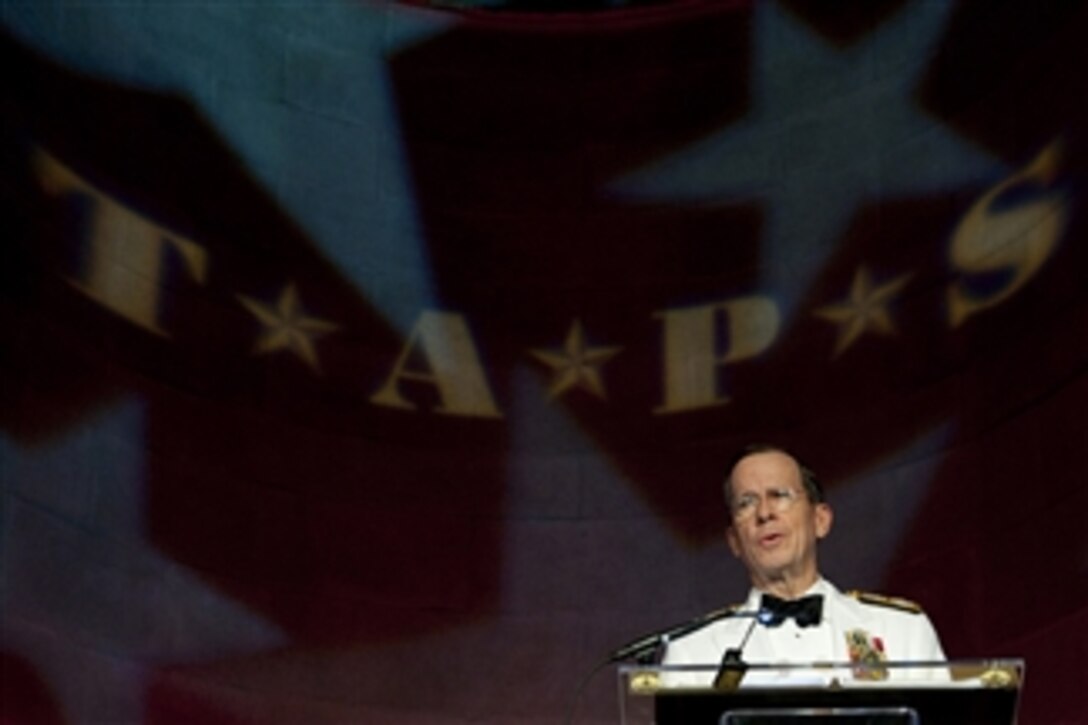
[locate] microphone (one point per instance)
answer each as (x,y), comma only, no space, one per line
(732,669)
(650,642)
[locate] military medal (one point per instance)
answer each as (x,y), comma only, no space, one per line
(867,655)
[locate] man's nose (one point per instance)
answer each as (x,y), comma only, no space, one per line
(764,509)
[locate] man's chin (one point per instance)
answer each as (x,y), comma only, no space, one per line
(772,567)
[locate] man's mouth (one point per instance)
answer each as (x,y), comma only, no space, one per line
(769,540)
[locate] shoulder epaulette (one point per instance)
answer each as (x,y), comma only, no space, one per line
(879,600)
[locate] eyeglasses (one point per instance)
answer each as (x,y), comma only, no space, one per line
(779,500)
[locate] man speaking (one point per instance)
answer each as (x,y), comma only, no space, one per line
(777,515)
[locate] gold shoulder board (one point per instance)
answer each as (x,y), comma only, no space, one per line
(904,605)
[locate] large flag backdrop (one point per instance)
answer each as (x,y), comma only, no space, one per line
(377,363)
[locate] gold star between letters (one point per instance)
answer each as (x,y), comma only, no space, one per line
(865,310)
(286,327)
(577,364)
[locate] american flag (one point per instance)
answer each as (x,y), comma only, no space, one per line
(380,362)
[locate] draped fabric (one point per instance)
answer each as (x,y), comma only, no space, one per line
(375,363)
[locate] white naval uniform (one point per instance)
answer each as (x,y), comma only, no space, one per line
(903,634)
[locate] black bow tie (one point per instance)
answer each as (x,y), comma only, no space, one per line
(806,611)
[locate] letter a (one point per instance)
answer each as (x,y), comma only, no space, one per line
(455,371)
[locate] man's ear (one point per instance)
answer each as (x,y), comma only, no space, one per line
(732,540)
(824,517)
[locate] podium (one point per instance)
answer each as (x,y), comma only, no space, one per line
(976,692)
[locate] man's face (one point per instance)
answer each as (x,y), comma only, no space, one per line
(776,536)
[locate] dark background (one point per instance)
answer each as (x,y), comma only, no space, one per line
(199,529)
